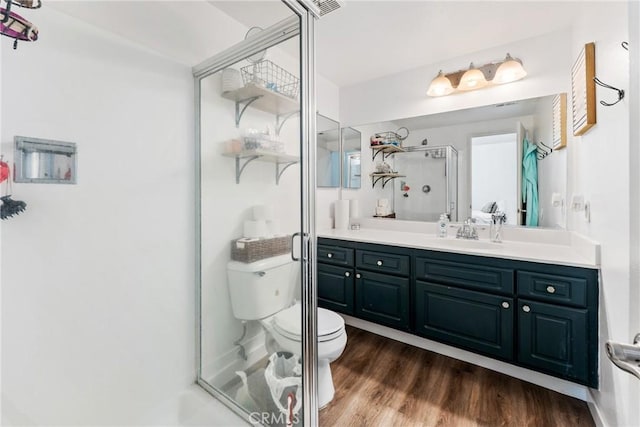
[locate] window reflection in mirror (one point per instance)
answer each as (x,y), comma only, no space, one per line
(328,153)
(351,142)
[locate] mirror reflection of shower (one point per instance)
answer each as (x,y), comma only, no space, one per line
(431,184)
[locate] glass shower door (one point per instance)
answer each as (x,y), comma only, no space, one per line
(255,150)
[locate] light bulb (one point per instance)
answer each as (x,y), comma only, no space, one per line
(440,86)
(509,71)
(472,79)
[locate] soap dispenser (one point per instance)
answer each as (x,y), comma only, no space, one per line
(442,225)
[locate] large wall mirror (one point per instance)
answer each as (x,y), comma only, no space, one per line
(491,176)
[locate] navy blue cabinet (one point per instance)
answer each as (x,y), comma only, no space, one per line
(382,298)
(335,288)
(473,320)
(539,316)
(554,339)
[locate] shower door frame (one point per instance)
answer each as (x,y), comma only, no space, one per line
(301,24)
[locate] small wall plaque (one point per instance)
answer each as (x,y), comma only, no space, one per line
(559,121)
(44,161)
(583,90)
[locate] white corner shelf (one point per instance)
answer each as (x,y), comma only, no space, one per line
(281,160)
(262,99)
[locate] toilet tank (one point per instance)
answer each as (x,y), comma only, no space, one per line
(262,288)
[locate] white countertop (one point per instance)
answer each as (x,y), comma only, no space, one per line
(546,246)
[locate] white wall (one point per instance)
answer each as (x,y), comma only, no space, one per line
(597,162)
(634,160)
(598,169)
(97,278)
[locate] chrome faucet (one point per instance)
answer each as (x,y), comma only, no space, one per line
(467,231)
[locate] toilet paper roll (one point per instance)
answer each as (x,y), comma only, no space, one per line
(354,208)
(383,203)
(382,211)
(341,214)
(263,212)
(256,229)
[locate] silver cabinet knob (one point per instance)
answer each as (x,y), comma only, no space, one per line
(551,289)
(347,274)
(379,262)
(505,304)
(358,275)
(526,308)
(329,255)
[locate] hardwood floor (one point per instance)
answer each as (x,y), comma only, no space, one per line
(381,382)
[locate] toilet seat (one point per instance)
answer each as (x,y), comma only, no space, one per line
(288,324)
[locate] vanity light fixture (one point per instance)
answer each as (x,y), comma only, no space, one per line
(501,72)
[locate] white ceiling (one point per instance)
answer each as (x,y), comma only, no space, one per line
(364,40)
(360,41)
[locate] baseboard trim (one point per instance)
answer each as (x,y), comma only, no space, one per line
(224,367)
(598,419)
(561,386)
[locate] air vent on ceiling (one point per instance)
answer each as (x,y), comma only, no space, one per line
(327,6)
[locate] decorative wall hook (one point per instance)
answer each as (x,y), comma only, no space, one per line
(620,92)
(625,45)
(542,150)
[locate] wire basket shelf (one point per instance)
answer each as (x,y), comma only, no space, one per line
(270,76)
(390,137)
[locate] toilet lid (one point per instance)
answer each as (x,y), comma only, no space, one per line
(288,322)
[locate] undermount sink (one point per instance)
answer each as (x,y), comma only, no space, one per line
(469,244)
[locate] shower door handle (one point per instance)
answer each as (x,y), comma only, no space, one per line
(293,236)
(305,240)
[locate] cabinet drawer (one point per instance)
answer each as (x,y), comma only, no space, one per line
(335,255)
(553,288)
(383,262)
(383,299)
(472,276)
(463,318)
(335,288)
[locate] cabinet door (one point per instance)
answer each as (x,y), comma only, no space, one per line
(335,288)
(383,299)
(553,339)
(463,318)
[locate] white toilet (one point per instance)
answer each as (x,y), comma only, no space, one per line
(264,291)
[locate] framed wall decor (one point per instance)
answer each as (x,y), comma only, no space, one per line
(583,90)
(559,127)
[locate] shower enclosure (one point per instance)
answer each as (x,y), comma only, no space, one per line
(431,176)
(255,150)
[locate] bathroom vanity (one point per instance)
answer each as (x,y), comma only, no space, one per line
(531,305)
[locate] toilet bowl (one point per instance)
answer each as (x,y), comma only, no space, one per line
(264,291)
(285,328)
